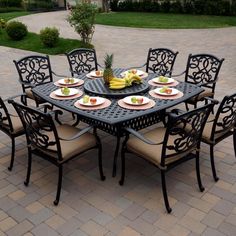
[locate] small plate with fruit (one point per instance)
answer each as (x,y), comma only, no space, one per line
(68,81)
(91,101)
(163,80)
(96,73)
(136,100)
(166,91)
(66,92)
(132,71)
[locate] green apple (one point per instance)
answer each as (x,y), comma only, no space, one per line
(85,99)
(133,99)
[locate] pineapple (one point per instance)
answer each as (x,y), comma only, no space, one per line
(108,73)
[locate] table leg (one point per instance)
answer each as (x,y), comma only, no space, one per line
(116,156)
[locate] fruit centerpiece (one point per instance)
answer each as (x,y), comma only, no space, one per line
(108,72)
(127,81)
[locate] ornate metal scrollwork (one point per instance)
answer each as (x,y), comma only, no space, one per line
(34,69)
(203,68)
(184,134)
(38,127)
(161,61)
(226,115)
(82,61)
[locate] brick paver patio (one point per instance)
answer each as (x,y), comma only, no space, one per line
(91,207)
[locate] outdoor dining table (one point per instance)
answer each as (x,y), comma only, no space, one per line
(113,118)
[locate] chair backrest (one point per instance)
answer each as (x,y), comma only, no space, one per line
(41,133)
(5,119)
(82,60)
(183,133)
(161,61)
(203,69)
(34,70)
(225,118)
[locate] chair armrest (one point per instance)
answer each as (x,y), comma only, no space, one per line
(27,84)
(211,82)
(182,73)
(13,97)
(58,75)
(136,66)
(212,100)
(141,137)
(177,111)
(79,134)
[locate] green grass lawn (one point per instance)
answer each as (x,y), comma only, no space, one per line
(10,15)
(32,43)
(164,21)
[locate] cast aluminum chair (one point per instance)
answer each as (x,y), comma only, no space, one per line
(203,70)
(167,147)
(11,125)
(160,61)
(33,71)
(57,144)
(220,126)
(82,60)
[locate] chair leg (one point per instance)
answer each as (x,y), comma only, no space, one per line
(100,162)
(163,183)
(198,174)
(115,156)
(122,179)
(12,153)
(29,167)
(186,105)
(213,163)
(60,172)
(234,138)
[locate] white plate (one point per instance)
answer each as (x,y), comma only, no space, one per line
(128,100)
(73,92)
(93,74)
(62,81)
(139,72)
(156,80)
(174,92)
(99,102)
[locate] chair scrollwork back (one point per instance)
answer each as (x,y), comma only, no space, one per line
(161,61)
(203,69)
(82,61)
(183,134)
(34,70)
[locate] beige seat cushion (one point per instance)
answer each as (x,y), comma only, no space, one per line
(206,93)
(206,134)
(29,94)
(16,123)
(76,146)
(151,152)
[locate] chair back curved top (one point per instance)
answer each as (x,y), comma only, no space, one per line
(225,118)
(41,132)
(183,133)
(5,121)
(34,70)
(82,60)
(203,69)
(161,61)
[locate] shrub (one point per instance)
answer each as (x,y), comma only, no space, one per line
(16,30)
(82,18)
(10,3)
(49,36)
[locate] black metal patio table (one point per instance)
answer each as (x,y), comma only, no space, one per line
(113,118)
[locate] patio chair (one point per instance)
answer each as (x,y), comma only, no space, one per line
(167,147)
(11,125)
(160,61)
(203,70)
(33,71)
(82,60)
(57,144)
(220,126)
